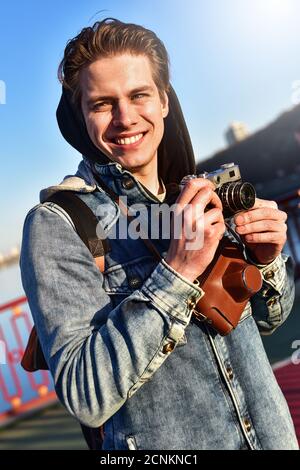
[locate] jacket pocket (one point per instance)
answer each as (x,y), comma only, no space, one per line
(123,279)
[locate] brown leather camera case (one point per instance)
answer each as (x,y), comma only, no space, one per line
(228,282)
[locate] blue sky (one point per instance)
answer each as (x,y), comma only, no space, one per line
(230,60)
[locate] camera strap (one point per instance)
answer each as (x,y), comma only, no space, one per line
(125,211)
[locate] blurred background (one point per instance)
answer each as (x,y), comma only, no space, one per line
(235,67)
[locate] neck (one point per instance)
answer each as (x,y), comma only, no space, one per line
(148,176)
(151,183)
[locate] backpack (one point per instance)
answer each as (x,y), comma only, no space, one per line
(85,223)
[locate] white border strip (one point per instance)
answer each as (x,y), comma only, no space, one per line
(280,364)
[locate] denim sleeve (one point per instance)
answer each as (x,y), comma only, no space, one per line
(98,355)
(273,303)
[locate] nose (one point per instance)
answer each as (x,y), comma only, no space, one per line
(124,115)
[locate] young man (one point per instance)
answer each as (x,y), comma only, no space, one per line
(122,346)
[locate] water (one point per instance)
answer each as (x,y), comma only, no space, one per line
(10,284)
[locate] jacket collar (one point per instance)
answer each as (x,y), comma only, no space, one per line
(89,176)
(123,183)
(83,182)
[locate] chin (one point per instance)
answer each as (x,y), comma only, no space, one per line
(131,163)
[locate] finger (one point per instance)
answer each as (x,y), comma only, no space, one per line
(204,223)
(264,213)
(195,209)
(219,229)
(194,217)
(262,226)
(214,200)
(213,216)
(264,203)
(266,237)
(191,188)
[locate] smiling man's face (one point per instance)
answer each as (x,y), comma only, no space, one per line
(123,110)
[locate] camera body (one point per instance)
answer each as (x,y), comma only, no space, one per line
(235,194)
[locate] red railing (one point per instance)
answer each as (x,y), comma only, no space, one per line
(20,391)
(288,377)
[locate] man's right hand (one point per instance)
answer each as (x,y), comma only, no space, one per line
(198,193)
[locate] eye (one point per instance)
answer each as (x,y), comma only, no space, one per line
(102,106)
(139,96)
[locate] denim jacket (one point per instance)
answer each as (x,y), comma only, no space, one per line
(122,347)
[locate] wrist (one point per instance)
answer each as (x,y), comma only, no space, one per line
(187,274)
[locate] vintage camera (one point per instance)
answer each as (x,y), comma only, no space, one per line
(235,194)
(230,280)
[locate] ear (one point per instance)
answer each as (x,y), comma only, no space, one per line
(165,105)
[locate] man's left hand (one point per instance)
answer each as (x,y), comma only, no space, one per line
(263,230)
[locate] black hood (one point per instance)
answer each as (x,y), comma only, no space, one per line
(175,153)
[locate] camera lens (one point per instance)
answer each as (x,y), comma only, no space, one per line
(236,196)
(247,196)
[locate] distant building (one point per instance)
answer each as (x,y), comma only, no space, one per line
(11,258)
(236,132)
(268,158)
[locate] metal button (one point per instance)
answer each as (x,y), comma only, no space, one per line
(191,303)
(168,347)
(229,372)
(269,275)
(134,282)
(127,183)
(272,302)
(247,425)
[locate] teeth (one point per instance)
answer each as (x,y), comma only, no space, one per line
(129,140)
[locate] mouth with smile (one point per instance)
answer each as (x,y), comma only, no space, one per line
(128,141)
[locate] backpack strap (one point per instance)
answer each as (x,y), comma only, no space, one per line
(86,224)
(89,229)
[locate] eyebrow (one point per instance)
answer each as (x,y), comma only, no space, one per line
(109,97)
